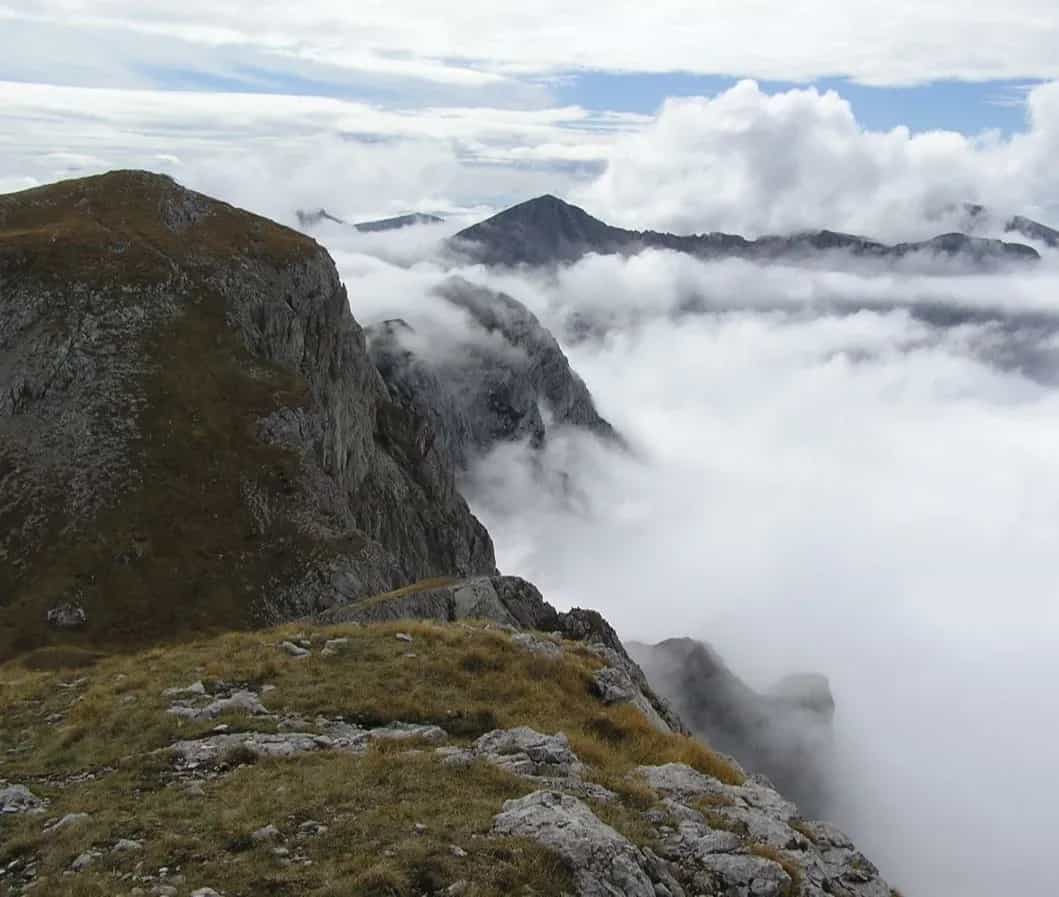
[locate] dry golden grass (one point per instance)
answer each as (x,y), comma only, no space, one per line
(466,679)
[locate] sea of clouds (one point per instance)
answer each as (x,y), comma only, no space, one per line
(851,472)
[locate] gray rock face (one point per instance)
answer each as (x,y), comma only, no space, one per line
(735,841)
(547,231)
(182,348)
(240,701)
(504,379)
(785,733)
(526,752)
(505,599)
(19,799)
(345,738)
(604,863)
(67,616)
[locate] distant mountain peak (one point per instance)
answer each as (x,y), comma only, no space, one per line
(311,219)
(547,230)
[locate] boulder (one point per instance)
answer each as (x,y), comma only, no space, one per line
(19,799)
(605,863)
(67,616)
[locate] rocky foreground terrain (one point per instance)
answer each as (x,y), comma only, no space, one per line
(194,444)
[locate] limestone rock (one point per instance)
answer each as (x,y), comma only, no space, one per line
(240,701)
(544,647)
(741,830)
(190,349)
(67,616)
(499,377)
(67,821)
(294,650)
(19,799)
(195,753)
(604,862)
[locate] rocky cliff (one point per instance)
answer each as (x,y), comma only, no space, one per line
(192,432)
(784,733)
(502,377)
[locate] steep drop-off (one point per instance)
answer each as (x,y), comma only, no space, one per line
(502,378)
(192,432)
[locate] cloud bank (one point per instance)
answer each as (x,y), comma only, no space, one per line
(463,45)
(853,473)
(750,162)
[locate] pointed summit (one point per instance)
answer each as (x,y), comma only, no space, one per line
(540,231)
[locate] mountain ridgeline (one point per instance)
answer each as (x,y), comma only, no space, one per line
(548,231)
(309,220)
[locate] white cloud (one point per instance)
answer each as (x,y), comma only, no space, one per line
(907,42)
(273,153)
(852,490)
(749,162)
(823,478)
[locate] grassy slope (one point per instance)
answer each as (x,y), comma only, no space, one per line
(466,679)
(177,556)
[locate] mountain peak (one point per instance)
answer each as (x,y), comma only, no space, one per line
(542,230)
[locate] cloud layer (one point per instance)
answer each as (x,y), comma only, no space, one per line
(750,162)
(468,45)
(853,473)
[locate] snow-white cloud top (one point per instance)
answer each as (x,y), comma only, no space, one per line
(475,44)
(752,162)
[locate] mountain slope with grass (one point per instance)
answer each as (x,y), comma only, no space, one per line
(399,758)
(192,433)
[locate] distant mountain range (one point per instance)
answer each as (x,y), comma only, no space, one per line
(311,219)
(1017,224)
(548,231)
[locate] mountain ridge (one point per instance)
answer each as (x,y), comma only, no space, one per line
(547,230)
(397,222)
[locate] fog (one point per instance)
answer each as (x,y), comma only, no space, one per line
(855,473)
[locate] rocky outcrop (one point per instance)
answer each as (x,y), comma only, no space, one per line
(19,799)
(501,378)
(605,863)
(548,231)
(784,733)
(708,838)
(192,432)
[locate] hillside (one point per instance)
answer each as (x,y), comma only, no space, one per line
(192,434)
(396,759)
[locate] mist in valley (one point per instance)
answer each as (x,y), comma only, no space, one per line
(851,472)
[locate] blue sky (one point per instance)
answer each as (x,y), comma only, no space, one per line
(386,107)
(968,107)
